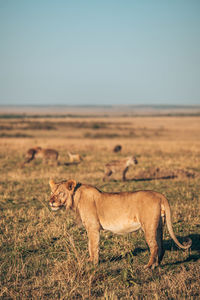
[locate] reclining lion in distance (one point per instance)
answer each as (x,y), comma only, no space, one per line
(119,213)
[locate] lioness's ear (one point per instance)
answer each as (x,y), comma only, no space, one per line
(52,184)
(71,184)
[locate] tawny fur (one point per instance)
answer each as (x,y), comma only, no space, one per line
(74,157)
(121,166)
(120,213)
(47,155)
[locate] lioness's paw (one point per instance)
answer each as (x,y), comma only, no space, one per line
(152,267)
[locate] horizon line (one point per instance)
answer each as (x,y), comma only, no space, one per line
(104,105)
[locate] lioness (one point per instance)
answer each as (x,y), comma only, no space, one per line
(38,152)
(117,212)
(121,165)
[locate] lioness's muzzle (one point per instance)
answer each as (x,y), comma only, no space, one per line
(53,206)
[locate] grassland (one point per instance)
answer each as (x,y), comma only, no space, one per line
(43,254)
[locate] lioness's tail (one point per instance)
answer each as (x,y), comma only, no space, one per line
(169,226)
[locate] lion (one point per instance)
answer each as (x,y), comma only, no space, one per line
(120,213)
(121,165)
(74,158)
(38,152)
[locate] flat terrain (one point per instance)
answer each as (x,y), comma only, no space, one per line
(43,254)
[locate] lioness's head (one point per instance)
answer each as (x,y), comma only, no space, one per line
(132,160)
(38,149)
(61,194)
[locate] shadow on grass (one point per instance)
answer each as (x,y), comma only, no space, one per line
(195,238)
(126,256)
(191,258)
(152,178)
(144,179)
(168,245)
(71,163)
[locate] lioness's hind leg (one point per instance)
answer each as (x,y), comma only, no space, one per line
(159,239)
(153,246)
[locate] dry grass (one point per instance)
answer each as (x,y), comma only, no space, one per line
(43,255)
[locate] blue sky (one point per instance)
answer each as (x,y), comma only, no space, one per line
(99,52)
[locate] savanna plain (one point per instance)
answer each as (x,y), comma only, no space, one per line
(44,254)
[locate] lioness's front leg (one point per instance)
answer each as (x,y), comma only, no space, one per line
(124,174)
(93,244)
(107,174)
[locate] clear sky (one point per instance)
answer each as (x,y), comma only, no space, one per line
(99,52)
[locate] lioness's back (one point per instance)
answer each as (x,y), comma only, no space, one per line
(50,153)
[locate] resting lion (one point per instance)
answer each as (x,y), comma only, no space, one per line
(117,212)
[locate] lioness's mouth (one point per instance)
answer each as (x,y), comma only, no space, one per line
(54,208)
